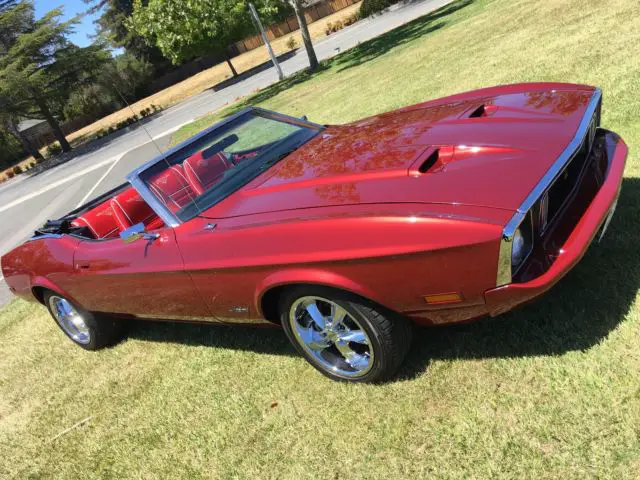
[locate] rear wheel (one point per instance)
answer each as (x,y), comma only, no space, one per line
(343,336)
(83,328)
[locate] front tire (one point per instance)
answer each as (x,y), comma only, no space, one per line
(343,336)
(83,328)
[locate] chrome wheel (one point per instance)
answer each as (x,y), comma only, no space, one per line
(69,319)
(332,336)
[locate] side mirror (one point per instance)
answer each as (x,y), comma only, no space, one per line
(132,233)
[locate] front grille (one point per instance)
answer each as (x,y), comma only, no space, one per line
(577,197)
(555,198)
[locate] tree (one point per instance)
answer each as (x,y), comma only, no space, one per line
(9,115)
(304,31)
(28,67)
(186,30)
(113,28)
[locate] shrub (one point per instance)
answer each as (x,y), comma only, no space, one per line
(54,149)
(291,43)
(10,174)
(328,29)
(340,24)
(369,7)
(351,19)
(32,164)
(17,170)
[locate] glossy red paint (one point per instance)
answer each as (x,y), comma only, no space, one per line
(352,209)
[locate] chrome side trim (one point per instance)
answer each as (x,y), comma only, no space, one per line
(504,274)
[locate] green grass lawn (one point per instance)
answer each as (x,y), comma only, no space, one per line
(551,390)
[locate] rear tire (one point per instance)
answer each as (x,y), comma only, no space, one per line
(85,329)
(345,337)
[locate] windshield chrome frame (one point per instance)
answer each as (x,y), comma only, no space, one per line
(167,216)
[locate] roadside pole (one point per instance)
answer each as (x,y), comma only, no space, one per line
(258,24)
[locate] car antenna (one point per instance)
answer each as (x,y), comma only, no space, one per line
(162,154)
(134,115)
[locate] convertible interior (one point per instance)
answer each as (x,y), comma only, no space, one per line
(123,207)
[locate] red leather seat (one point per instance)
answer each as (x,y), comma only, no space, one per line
(172,187)
(101,221)
(130,209)
(202,172)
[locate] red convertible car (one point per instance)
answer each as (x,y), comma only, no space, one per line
(345,235)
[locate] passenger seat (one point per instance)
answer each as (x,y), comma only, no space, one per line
(203,173)
(101,221)
(171,186)
(130,209)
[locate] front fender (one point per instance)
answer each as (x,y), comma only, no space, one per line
(313,276)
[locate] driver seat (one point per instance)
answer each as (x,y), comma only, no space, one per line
(202,173)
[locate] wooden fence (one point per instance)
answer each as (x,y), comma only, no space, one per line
(312,14)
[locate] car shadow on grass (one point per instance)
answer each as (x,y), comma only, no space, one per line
(578,313)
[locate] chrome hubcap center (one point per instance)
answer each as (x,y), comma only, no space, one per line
(69,319)
(332,336)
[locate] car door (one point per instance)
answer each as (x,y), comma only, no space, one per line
(145,277)
(211,255)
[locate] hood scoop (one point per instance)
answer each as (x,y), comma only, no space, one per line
(436,159)
(430,161)
(483,111)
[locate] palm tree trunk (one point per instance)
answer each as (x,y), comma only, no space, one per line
(306,38)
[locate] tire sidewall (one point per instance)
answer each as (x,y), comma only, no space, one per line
(351,304)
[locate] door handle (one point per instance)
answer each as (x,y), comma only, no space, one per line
(83,265)
(151,236)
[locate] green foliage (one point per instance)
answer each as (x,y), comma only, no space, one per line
(130,74)
(54,149)
(11,150)
(369,7)
(17,170)
(93,100)
(30,66)
(125,76)
(185,30)
(113,29)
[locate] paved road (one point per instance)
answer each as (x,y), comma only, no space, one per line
(27,202)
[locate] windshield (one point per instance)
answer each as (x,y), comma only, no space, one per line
(218,163)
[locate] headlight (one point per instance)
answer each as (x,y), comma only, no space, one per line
(514,250)
(522,244)
(518,248)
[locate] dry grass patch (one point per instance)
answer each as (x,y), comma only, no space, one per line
(212,76)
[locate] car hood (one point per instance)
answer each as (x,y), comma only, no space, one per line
(486,148)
